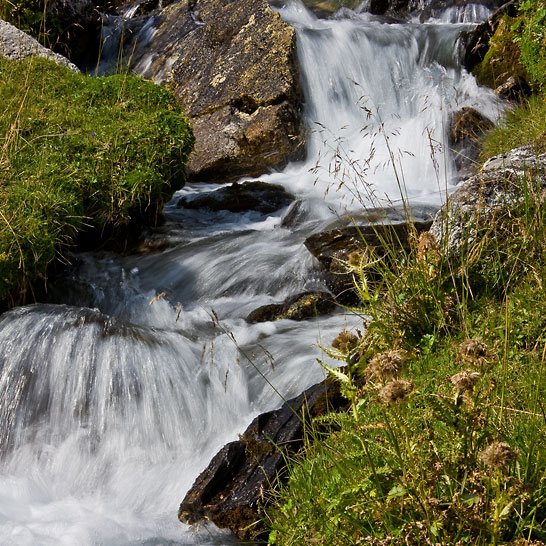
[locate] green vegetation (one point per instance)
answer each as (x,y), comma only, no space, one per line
(446,441)
(75,153)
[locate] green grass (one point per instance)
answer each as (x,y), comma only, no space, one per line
(79,153)
(446,441)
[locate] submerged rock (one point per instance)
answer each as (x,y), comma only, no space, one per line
(233,66)
(231,489)
(496,187)
(298,307)
(248,196)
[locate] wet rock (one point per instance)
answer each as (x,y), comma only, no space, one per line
(295,214)
(15,44)
(495,188)
(247,196)
(299,307)
(246,119)
(231,489)
(466,127)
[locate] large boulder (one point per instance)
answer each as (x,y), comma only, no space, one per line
(15,44)
(233,66)
(497,187)
(231,489)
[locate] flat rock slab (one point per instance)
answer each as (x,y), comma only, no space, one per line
(231,489)
(244,197)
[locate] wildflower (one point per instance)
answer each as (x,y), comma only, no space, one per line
(93,135)
(472,351)
(388,365)
(345,342)
(498,455)
(395,391)
(464,381)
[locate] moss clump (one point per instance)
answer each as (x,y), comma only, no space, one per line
(76,152)
(503,58)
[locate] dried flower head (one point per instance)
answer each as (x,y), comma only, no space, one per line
(498,455)
(354,260)
(388,365)
(464,381)
(395,391)
(345,342)
(428,250)
(472,351)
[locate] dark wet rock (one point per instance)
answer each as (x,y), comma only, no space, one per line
(496,188)
(338,248)
(299,307)
(325,8)
(230,491)
(294,215)
(513,88)
(241,197)
(466,127)
(233,66)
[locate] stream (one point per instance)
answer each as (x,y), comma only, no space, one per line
(116,393)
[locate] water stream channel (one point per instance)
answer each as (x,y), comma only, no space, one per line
(111,405)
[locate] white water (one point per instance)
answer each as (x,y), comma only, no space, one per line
(110,404)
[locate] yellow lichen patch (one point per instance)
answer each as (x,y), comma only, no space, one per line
(217,80)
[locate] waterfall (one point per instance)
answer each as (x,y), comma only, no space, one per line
(114,396)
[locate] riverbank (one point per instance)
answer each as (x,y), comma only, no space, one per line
(79,155)
(446,441)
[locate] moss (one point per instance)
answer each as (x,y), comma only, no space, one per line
(503,58)
(76,152)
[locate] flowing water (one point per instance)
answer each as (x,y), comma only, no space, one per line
(117,393)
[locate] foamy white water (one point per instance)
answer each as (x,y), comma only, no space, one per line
(112,399)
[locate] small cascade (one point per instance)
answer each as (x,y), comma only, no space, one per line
(114,396)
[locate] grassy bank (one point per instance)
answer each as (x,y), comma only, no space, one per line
(79,153)
(446,440)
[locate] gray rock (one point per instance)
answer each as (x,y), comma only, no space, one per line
(499,185)
(15,44)
(246,119)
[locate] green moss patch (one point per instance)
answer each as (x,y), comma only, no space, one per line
(79,152)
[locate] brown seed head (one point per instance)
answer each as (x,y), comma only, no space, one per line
(498,455)
(354,259)
(388,365)
(464,381)
(345,342)
(472,351)
(395,391)
(428,250)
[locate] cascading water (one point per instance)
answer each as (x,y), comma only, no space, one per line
(115,396)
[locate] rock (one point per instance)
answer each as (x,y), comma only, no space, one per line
(244,197)
(231,489)
(299,307)
(338,248)
(497,187)
(466,127)
(474,44)
(246,120)
(15,44)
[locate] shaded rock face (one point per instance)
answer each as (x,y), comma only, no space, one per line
(233,66)
(247,196)
(230,490)
(498,186)
(15,44)
(466,127)
(299,307)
